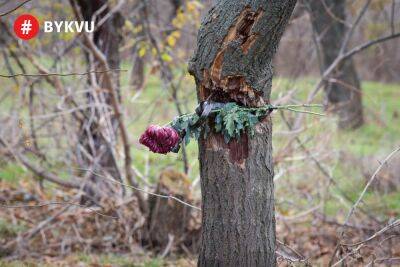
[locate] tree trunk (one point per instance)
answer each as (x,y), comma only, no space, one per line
(97,141)
(344,92)
(169,220)
(137,78)
(232,63)
(175,6)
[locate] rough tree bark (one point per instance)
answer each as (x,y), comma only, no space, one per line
(344,93)
(235,47)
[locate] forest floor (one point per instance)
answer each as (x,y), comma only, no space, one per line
(350,158)
(101,260)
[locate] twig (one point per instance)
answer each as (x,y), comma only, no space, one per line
(354,207)
(166,76)
(347,55)
(285,255)
(304,111)
(371,180)
(39,171)
(56,203)
(37,229)
(114,10)
(12,10)
(118,114)
(317,163)
(169,245)
(354,26)
(364,46)
(386,228)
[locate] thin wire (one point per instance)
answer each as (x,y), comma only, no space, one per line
(61,74)
(267,107)
(142,190)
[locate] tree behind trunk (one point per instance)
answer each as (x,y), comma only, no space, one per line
(344,91)
(232,63)
(137,76)
(99,143)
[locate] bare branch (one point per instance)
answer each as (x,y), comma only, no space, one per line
(350,33)
(383,230)
(371,180)
(38,170)
(13,9)
(56,203)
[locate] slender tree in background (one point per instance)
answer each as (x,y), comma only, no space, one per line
(343,91)
(97,141)
(137,78)
(175,6)
(232,63)
(137,72)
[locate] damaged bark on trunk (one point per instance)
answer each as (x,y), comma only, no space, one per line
(232,63)
(343,91)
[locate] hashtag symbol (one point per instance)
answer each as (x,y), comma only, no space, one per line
(26,27)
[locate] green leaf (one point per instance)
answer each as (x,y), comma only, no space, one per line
(232,121)
(166,57)
(229,123)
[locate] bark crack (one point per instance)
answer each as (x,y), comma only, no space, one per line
(217,87)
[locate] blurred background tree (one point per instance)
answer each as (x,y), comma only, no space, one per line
(343,89)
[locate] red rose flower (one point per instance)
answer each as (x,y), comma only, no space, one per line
(160,139)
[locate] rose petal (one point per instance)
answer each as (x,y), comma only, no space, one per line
(160,139)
